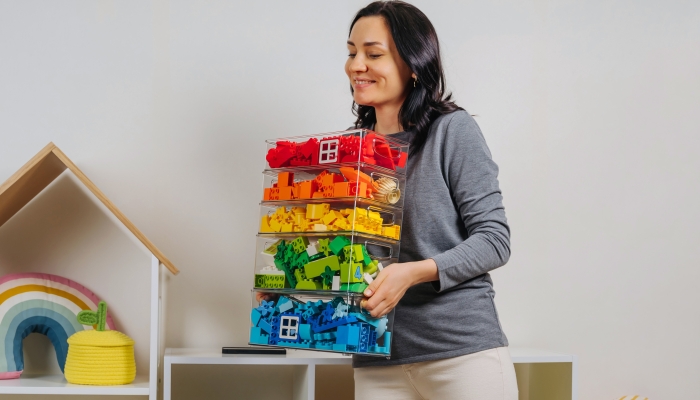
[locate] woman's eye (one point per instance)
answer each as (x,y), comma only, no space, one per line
(375,56)
(351,55)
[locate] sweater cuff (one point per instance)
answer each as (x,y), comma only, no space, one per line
(444,282)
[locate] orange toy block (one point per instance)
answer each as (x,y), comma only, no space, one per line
(341,189)
(285,193)
(266,194)
(285,179)
(274,193)
(307,189)
(353,175)
(317,195)
(354,190)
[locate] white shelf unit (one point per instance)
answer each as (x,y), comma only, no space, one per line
(54,220)
(305,363)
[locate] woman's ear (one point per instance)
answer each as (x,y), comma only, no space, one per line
(414,76)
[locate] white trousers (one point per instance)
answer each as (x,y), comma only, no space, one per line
(486,375)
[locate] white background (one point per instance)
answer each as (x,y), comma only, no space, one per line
(590,109)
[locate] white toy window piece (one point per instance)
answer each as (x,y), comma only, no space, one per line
(288,327)
(328,151)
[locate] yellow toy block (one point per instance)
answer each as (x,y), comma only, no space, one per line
(374,215)
(265,224)
(341,224)
(287,227)
(275,225)
(320,228)
(329,218)
(317,211)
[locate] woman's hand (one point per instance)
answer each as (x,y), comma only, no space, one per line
(384,293)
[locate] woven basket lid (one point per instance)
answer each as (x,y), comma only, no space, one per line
(100,339)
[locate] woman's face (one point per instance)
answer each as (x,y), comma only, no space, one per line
(377,73)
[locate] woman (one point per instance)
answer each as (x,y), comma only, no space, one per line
(447,340)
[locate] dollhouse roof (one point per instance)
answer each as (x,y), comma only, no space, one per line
(43,169)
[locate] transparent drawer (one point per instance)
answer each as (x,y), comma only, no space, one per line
(324,150)
(331,216)
(318,321)
(366,183)
(337,263)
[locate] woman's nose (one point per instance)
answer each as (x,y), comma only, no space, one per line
(357,65)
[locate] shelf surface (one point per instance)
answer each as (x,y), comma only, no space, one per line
(56,384)
(299,357)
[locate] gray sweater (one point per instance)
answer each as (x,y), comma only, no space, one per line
(453,213)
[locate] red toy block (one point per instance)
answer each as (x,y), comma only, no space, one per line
(285,179)
(402,159)
(309,148)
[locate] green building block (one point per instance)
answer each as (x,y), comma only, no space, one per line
(323,247)
(351,273)
(308,285)
(300,259)
(353,253)
(270,281)
(366,258)
(316,268)
(338,243)
(299,244)
(300,275)
(282,266)
(354,287)
(259,280)
(371,268)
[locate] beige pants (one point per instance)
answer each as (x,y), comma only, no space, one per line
(486,375)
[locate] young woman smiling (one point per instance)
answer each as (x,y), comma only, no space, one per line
(447,339)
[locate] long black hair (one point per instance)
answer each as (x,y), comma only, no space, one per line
(418,46)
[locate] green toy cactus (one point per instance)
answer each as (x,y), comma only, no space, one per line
(98,317)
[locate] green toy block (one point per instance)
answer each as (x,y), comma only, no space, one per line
(308,285)
(366,258)
(275,281)
(282,266)
(371,268)
(351,273)
(324,247)
(354,287)
(353,253)
(281,250)
(299,244)
(300,259)
(338,243)
(259,280)
(316,268)
(300,275)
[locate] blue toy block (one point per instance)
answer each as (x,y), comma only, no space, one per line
(372,338)
(255,317)
(351,349)
(353,335)
(257,337)
(366,318)
(284,304)
(333,324)
(266,308)
(325,336)
(341,335)
(305,332)
(323,345)
(274,330)
(340,347)
(264,325)
(364,338)
(300,345)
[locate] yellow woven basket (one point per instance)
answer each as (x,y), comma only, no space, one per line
(100,358)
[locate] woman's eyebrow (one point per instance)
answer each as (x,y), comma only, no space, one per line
(367,44)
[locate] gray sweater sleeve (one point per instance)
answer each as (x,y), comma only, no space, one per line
(472,178)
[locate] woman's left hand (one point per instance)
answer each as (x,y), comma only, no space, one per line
(384,293)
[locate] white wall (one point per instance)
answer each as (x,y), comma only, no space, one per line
(587,107)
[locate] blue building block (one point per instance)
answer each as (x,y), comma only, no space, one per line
(257,337)
(325,336)
(366,318)
(284,305)
(348,334)
(289,327)
(305,332)
(264,325)
(333,324)
(323,345)
(364,338)
(255,317)
(340,347)
(372,338)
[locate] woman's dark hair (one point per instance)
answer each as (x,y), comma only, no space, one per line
(417,44)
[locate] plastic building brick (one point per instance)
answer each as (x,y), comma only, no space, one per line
(289,327)
(308,285)
(338,243)
(353,287)
(351,273)
(299,244)
(316,268)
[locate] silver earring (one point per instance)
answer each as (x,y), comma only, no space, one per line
(414,81)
